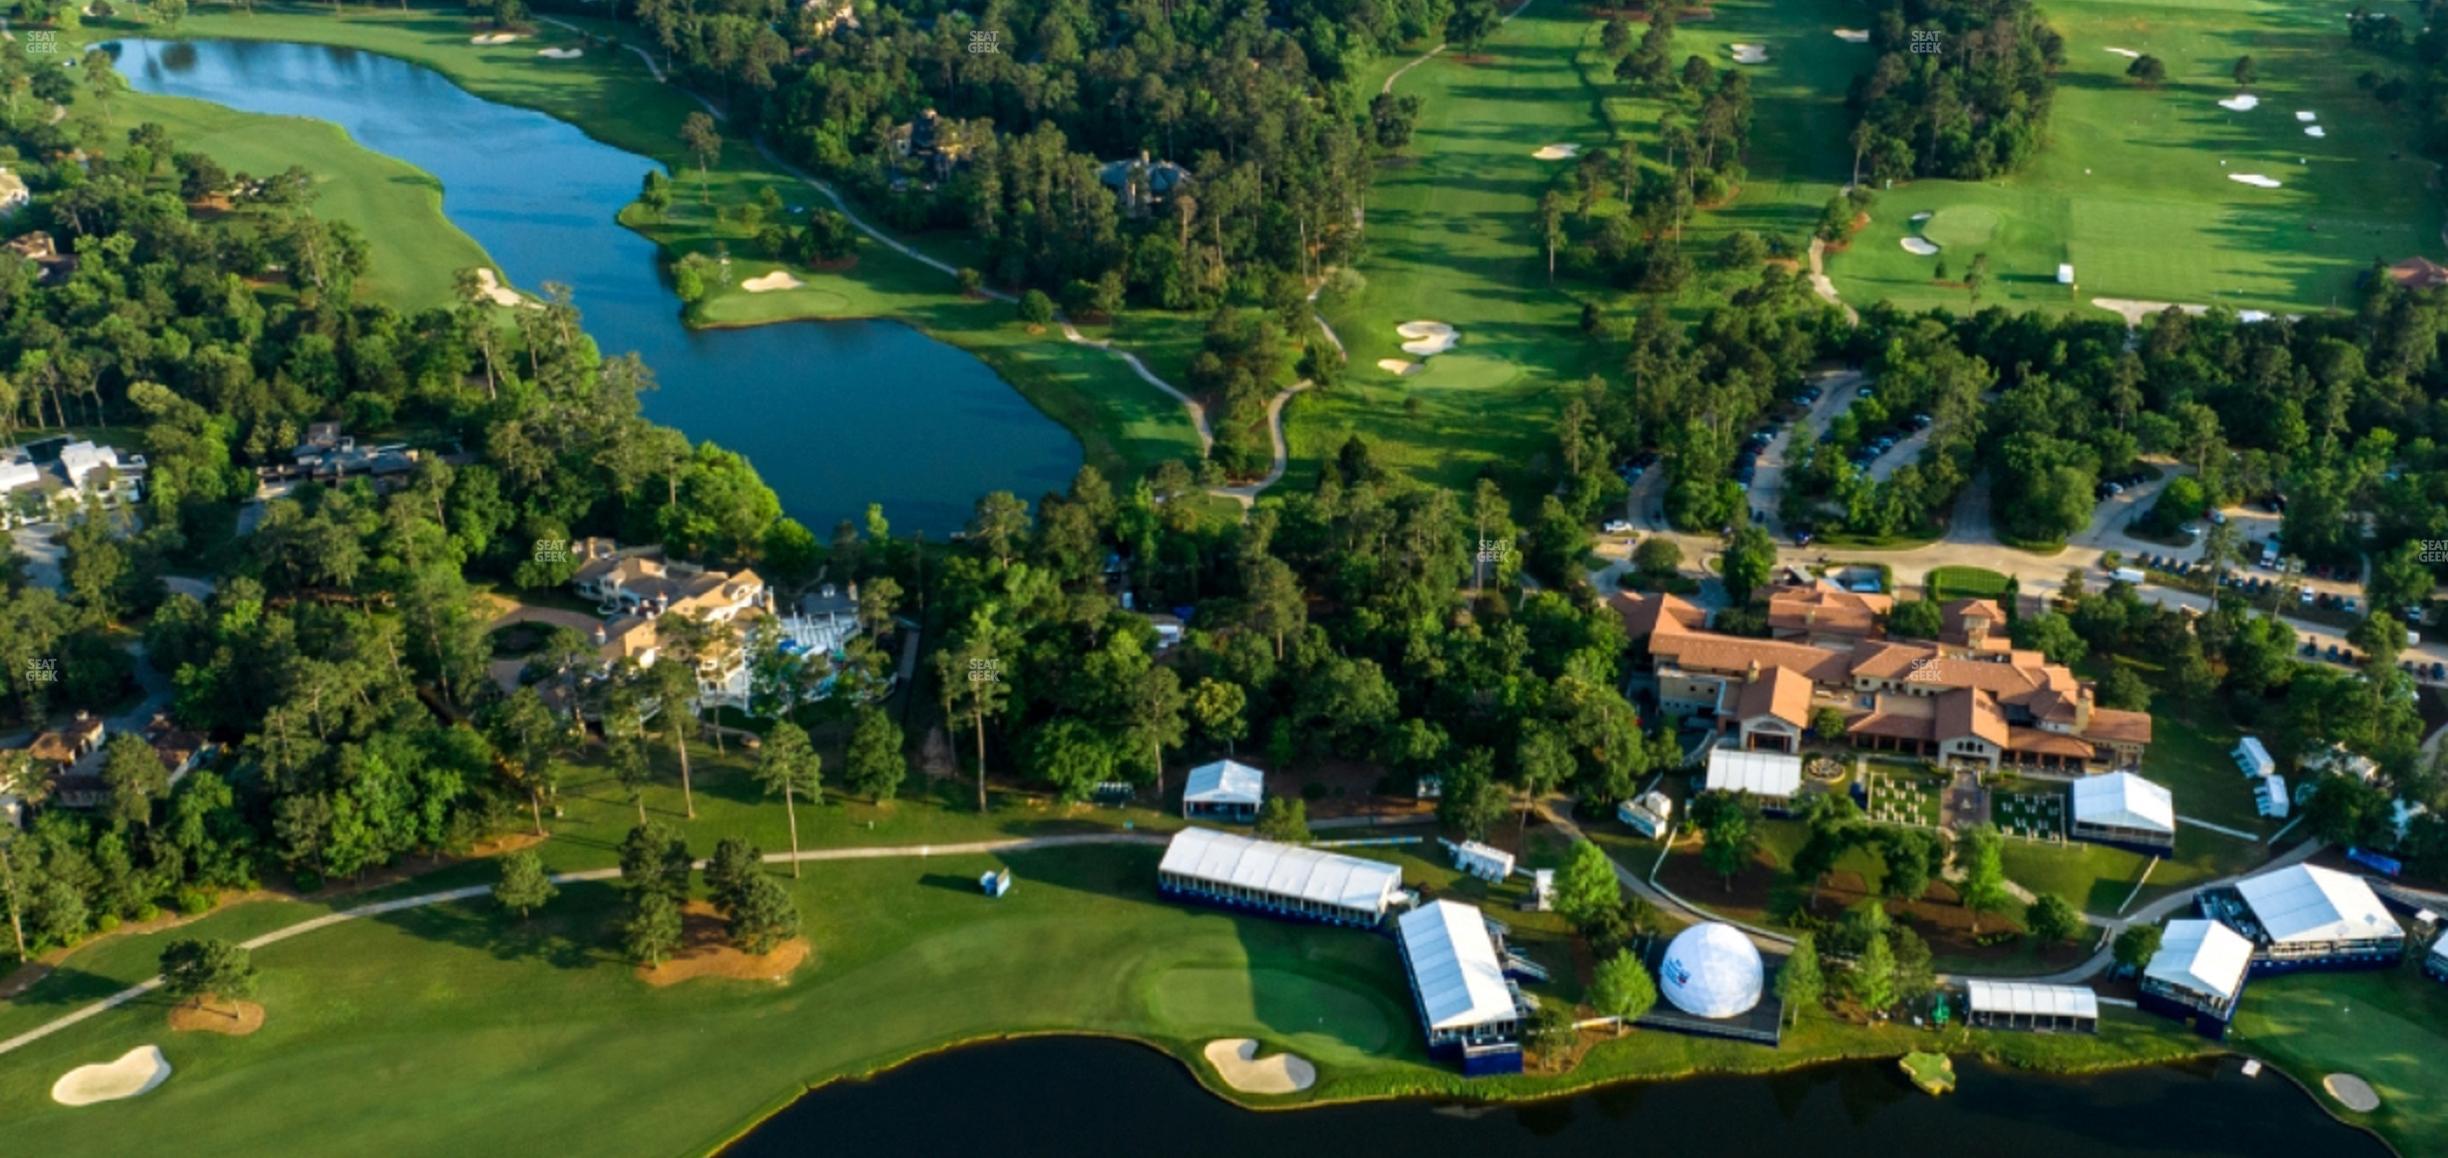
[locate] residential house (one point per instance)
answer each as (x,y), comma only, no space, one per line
(1144,185)
(180,751)
(13,193)
(70,758)
(46,479)
(1973,701)
(1822,612)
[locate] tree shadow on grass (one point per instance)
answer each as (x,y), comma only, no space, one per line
(570,932)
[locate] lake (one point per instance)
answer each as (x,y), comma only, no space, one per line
(834,414)
(1083,1097)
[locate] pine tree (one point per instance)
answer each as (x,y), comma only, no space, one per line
(1799,981)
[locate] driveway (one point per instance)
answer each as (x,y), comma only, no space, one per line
(39,546)
(1837,389)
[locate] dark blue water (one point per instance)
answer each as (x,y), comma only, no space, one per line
(834,414)
(1086,1098)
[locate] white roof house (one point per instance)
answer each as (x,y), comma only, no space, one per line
(2029,1000)
(1484,861)
(1225,862)
(2308,903)
(2203,957)
(1225,785)
(2253,758)
(16,473)
(2270,796)
(1771,774)
(2124,800)
(1454,967)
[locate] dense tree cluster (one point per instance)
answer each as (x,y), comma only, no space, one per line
(1961,89)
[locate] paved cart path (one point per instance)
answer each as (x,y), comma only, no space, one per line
(470,892)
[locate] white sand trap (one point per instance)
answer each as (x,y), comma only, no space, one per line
(490,288)
(1920,217)
(2351,1092)
(1918,246)
(493,38)
(136,1072)
(560,53)
(1557,152)
(1398,367)
(2255,180)
(2306,117)
(1749,53)
(2315,131)
(2135,312)
(2242,102)
(2127,53)
(1853,35)
(779,279)
(1428,339)
(1236,1058)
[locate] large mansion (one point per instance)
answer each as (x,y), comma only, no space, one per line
(1969,697)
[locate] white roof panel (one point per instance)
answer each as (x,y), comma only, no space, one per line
(2309,903)
(2254,758)
(1282,870)
(2124,800)
(2026,999)
(1224,782)
(1773,774)
(1453,964)
(2202,956)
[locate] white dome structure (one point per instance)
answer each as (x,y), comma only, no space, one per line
(1711,970)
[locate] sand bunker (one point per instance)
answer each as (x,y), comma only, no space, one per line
(489,288)
(2254,179)
(136,1072)
(1237,1060)
(2127,53)
(705,951)
(1428,339)
(2351,1092)
(2306,117)
(1398,367)
(493,38)
(2315,131)
(2241,102)
(560,53)
(1557,152)
(1749,53)
(1853,35)
(235,1019)
(1920,217)
(1918,246)
(779,279)
(2134,312)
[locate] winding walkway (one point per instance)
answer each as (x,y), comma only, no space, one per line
(471,892)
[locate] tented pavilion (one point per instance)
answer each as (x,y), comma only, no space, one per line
(2198,974)
(1277,879)
(1772,776)
(2125,810)
(1224,790)
(2309,917)
(1466,1006)
(2026,1005)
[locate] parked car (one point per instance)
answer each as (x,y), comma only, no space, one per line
(1619,526)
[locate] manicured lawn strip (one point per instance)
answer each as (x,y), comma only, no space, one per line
(2132,190)
(2189,752)
(1124,425)
(2390,1029)
(454,1029)
(1965,583)
(414,252)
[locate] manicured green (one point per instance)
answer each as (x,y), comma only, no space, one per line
(414,252)
(1965,583)
(1125,425)
(2390,1029)
(1933,1072)
(2133,186)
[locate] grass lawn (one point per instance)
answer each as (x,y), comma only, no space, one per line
(1965,583)
(2390,1029)
(1124,425)
(2097,879)
(2189,750)
(456,1029)
(2131,188)
(414,251)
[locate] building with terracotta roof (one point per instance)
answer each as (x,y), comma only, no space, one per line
(1822,611)
(1976,624)
(1975,701)
(2419,273)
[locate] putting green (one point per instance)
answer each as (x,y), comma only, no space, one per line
(1278,1004)
(1961,226)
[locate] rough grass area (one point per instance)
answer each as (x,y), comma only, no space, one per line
(2132,190)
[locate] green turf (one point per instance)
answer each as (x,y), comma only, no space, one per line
(1965,583)
(2390,1029)
(1125,425)
(414,252)
(2189,752)
(2131,188)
